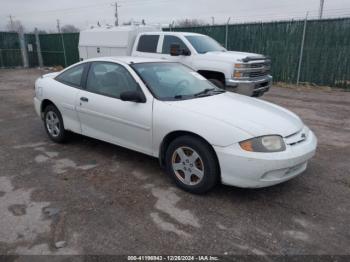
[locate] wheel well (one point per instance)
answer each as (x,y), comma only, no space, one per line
(213,75)
(172,136)
(44,104)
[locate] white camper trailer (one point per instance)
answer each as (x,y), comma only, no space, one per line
(110,41)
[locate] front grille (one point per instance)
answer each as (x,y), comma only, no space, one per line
(297,137)
(259,69)
(258,73)
(255,65)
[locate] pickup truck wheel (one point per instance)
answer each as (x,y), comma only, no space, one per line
(192,164)
(54,124)
(218,83)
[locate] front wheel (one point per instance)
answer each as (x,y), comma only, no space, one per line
(192,164)
(53,123)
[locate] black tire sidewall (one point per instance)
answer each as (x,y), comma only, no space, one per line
(62,136)
(211,170)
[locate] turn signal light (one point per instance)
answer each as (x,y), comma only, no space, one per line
(247,145)
(237,74)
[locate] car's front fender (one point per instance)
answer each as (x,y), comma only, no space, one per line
(168,119)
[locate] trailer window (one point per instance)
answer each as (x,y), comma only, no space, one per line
(148,43)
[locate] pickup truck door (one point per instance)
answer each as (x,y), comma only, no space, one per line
(166,41)
(103,115)
(147,45)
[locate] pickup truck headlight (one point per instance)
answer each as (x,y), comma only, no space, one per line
(266,144)
(241,66)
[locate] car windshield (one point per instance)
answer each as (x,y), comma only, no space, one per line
(173,81)
(204,44)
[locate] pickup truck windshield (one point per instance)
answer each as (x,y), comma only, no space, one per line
(172,81)
(204,44)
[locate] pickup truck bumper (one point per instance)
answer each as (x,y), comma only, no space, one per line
(250,87)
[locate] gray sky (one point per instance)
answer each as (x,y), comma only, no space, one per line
(82,13)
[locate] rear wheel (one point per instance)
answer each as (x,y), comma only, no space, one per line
(192,164)
(54,124)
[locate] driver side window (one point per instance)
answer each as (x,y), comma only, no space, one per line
(169,40)
(110,79)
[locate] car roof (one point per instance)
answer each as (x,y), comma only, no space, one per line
(126,59)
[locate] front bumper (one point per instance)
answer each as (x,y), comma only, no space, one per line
(248,169)
(255,87)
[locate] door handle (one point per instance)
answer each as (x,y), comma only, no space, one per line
(84,99)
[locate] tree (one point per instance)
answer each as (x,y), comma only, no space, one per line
(69,29)
(15,26)
(190,22)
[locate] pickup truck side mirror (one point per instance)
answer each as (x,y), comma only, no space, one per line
(186,52)
(133,96)
(174,49)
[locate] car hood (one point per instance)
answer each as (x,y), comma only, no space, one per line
(252,115)
(230,56)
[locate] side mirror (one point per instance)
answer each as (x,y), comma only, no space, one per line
(133,96)
(186,52)
(174,49)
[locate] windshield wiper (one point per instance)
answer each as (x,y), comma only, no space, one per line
(178,97)
(204,92)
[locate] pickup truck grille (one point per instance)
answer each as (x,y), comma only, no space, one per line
(259,69)
(258,73)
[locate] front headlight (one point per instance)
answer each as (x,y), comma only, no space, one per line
(240,65)
(267,144)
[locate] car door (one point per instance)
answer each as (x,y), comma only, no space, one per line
(103,115)
(64,91)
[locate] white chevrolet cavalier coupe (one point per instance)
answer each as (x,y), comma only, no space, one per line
(200,133)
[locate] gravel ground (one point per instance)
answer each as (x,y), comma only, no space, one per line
(90,197)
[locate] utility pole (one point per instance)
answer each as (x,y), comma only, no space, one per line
(11,22)
(58,26)
(212,20)
(321,9)
(116,13)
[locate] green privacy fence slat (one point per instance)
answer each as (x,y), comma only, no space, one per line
(10,51)
(327,53)
(52,48)
(326,57)
(71,41)
(31,50)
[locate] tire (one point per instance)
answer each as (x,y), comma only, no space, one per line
(217,83)
(192,164)
(53,124)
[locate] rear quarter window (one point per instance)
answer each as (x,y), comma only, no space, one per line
(148,43)
(72,76)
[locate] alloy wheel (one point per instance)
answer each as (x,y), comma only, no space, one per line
(188,166)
